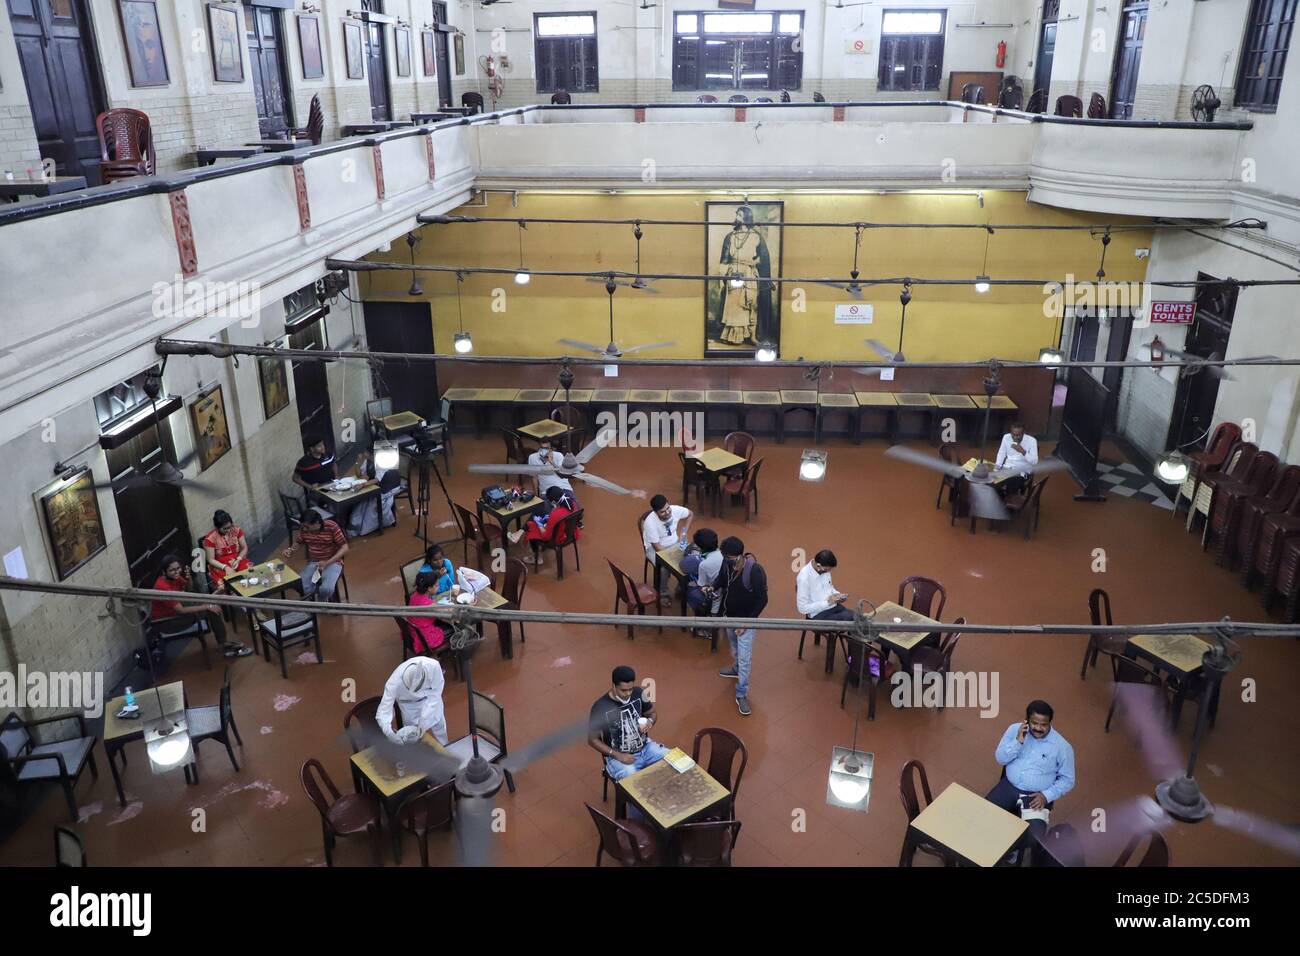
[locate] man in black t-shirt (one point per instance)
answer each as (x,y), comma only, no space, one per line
(316,467)
(619,727)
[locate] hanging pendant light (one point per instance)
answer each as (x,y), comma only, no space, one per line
(417,287)
(523,276)
(982,280)
(766,352)
(461,341)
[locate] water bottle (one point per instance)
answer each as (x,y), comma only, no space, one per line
(682,543)
(130,698)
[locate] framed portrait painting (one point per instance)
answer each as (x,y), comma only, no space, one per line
(402,40)
(211,432)
(142,37)
(73,525)
(430,56)
(742,307)
(275,385)
(458,45)
(353,50)
(313,61)
(227,56)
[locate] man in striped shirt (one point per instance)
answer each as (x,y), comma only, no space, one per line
(325,544)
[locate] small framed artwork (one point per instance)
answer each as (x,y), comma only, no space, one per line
(313,62)
(352,49)
(73,525)
(227,56)
(402,40)
(275,385)
(211,433)
(458,44)
(142,37)
(430,57)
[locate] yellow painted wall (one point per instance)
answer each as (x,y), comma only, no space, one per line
(943,323)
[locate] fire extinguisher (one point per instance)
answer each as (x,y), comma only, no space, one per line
(1002,53)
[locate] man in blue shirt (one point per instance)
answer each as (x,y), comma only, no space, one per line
(1038,766)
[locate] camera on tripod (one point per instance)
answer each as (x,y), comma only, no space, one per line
(425,440)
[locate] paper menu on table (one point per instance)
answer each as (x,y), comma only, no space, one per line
(678,760)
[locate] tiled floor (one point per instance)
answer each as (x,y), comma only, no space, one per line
(1128,481)
(879,517)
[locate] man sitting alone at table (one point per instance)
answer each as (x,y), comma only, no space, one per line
(663,528)
(619,726)
(1038,768)
(172,617)
(1019,453)
(815,595)
(325,544)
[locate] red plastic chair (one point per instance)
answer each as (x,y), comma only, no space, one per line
(125,144)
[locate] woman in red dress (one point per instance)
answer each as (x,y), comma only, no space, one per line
(544,528)
(226,549)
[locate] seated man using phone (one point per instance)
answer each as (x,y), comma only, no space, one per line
(1018,452)
(815,594)
(1038,768)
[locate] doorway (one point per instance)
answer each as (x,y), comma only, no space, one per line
(404,327)
(55,40)
(1128,58)
(270,83)
(381,108)
(441,53)
(311,384)
(1046,46)
(1197,394)
(151,514)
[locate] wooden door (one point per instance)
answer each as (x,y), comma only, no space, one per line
(442,56)
(381,108)
(266,56)
(1128,57)
(56,49)
(152,515)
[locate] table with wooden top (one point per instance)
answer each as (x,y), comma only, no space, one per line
(667,797)
(400,423)
(913,403)
(375,773)
(883,402)
(902,643)
(830,402)
(996,476)
(1179,655)
(267,586)
(726,401)
(545,428)
(208,157)
(722,464)
(647,399)
(1001,410)
(119,732)
(960,821)
(459,396)
(480,402)
(280,145)
(492,601)
(670,559)
(349,500)
(16,189)
(515,512)
(531,404)
(960,409)
(795,400)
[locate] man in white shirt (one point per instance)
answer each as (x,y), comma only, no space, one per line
(416,688)
(1018,451)
(815,594)
(663,528)
(546,455)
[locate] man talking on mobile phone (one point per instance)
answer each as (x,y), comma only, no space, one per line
(1037,768)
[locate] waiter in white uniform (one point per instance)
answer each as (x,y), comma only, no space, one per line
(416,688)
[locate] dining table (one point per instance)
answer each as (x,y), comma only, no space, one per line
(515,512)
(348,498)
(964,824)
(492,601)
(721,464)
(373,772)
(120,731)
(266,580)
(669,798)
(902,643)
(1180,656)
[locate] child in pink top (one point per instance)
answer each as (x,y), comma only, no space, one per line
(428,635)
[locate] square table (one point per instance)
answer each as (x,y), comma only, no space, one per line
(373,771)
(400,423)
(118,732)
(902,643)
(920,403)
(719,462)
(670,559)
(959,408)
(1180,655)
(350,499)
(997,477)
(727,400)
(516,511)
(266,587)
(964,823)
(492,601)
(531,403)
(483,400)
(460,395)
(883,402)
(796,400)
(828,402)
(667,797)
(761,401)
(545,428)
(39,188)
(1001,409)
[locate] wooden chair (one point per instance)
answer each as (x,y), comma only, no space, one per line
(913,807)
(705,844)
(1130,671)
(363,712)
(924,591)
(629,592)
(490,727)
(69,851)
(561,97)
(740,444)
(648,566)
(515,454)
(1011,97)
(24,762)
(972,93)
(695,475)
(341,815)
(408,572)
(937,659)
(156,631)
(1037,102)
(214,723)
(442,654)
(745,486)
(430,809)
(512,589)
(565,536)
(125,144)
(874,669)
(473,101)
(629,842)
(286,629)
(1069,106)
(1230,497)
(951,453)
(315,128)
(724,747)
(737,98)
(1029,505)
(706,98)
(575,419)
(1097,107)
(485,536)
(1216,453)
(1099,612)
(1238,464)
(1284,494)
(1157,851)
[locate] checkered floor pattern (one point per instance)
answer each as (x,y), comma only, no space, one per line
(1123,478)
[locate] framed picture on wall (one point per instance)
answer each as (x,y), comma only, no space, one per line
(313,62)
(227,57)
(211,432)
(352,49)
(430,57)
(742,307)
(275,385)
(142,38)
(402,40)
(458,45)
(73,525)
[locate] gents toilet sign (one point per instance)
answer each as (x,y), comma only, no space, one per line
(1174,313)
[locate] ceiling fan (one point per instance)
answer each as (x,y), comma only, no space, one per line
(165,475)
(612,351)
(571,466)
(644,285)
(853,287)
(883,350)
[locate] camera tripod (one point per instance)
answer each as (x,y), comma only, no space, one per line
(422,458)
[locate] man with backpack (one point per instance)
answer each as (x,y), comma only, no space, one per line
(744,594)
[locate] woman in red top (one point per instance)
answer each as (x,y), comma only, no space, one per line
(425,630)
(547,527)
(173,617)
(226,549)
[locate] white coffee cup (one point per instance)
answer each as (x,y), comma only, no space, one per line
(643,723)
